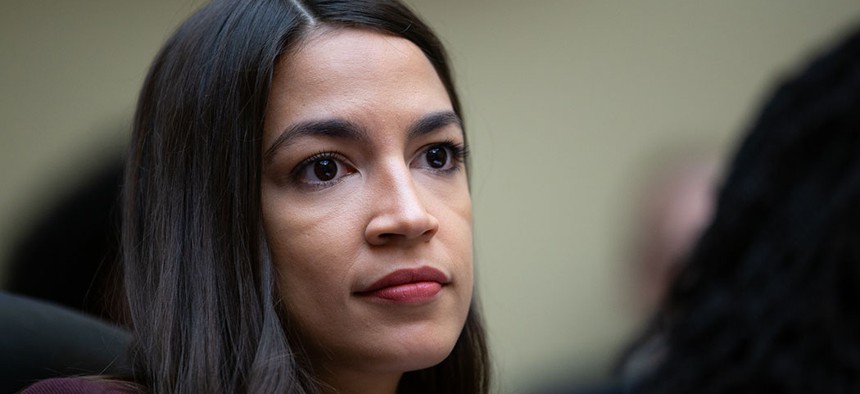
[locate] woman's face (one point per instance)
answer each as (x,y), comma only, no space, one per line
(366,206)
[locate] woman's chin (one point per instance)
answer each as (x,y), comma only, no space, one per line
(400,357)
(416,359)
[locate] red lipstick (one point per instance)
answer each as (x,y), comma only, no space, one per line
(407,286)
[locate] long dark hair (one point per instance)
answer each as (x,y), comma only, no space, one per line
(770,299)
(197,269)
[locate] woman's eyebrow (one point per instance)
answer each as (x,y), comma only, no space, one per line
(332,128)
(343,129)
(434,121)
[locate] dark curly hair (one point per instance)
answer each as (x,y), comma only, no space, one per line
(769,299)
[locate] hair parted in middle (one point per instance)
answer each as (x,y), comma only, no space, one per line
(202,300)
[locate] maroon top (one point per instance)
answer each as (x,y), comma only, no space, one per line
(79,386)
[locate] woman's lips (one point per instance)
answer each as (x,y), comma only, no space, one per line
(407,285)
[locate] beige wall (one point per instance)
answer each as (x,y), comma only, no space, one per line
(566,102)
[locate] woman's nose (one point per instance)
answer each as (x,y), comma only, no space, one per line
(399,213)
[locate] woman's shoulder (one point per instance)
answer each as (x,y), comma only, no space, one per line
(81,385)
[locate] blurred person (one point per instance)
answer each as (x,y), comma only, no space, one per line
(61,289)
(40,340)
(71,256)
(769,300)
(676,203)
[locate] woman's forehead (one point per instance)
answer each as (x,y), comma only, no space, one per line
(350,52)
(363,76)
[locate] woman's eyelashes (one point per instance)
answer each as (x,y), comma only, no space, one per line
(328,168)
(443,157)
(322,170)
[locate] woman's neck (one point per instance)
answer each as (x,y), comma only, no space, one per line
(358,382)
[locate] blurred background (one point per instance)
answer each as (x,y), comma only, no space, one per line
(575,110)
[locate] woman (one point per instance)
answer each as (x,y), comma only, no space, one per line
(297,212)
(769,299)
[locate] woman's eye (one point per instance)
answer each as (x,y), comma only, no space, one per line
(325,169)
(442,157)
(322,170)
(437,156)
